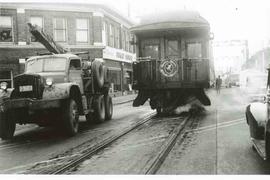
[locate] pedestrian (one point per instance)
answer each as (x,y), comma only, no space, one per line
(218,84)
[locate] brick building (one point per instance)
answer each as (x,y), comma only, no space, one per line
(97,29)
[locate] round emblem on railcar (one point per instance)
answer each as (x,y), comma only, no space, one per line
(168,68)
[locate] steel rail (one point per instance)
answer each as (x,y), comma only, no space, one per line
(100,146)
(166,148)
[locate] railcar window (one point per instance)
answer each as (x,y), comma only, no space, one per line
(173,48)
(151,51)
(194,50)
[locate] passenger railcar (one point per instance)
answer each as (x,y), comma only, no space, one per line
(174,61)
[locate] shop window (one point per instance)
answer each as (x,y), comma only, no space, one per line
(111,36)
(6,34)
(60,29)
(194,50)
(82,30)
(38,21)
(6,76)
(115,79)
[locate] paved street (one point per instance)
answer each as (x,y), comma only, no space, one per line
(221,143)
(217,143)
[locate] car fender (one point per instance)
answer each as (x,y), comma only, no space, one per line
(259,112)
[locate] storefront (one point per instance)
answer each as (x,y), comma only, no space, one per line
(119,64)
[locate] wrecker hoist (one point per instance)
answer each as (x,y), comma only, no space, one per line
(55,90)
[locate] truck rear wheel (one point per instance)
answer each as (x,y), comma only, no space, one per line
(70,117)
(7,126)
(99,109)
(108,107)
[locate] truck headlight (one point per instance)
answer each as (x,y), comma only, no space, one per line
(3,85)
(49,81)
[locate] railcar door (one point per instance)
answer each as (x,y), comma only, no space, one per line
(150,51)
(173,58)
(196,64)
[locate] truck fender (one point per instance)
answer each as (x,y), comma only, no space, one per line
(64,91)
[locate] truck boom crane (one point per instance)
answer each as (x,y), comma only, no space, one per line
(46,40)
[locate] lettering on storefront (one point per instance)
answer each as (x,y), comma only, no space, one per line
(116,54)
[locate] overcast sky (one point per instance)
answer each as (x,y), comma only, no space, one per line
(229,19)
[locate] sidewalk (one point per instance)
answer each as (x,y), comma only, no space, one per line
(123,99)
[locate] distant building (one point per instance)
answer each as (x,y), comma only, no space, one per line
(229,56)
(97,29)
(260,61)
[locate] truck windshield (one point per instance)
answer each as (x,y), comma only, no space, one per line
(46,65)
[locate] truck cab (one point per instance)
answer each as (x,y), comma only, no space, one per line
(55,90)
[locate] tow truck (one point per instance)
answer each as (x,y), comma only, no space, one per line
(55,89)
(258,120)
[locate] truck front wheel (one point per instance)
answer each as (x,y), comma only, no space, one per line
(7,126)
(99,109)
(70,117)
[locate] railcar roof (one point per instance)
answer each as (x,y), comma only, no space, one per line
(171,20)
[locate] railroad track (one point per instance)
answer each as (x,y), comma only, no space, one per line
(88,153)
(152,167)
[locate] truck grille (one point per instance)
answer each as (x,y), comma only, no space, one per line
(28,86)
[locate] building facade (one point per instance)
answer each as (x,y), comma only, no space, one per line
(229,56)
(93,28)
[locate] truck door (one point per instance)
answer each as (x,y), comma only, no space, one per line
(75,73)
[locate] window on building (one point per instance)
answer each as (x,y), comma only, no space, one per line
(127,41)
(123,40)
(130,46)
(82,30)
(117,38)
(104,35)
(6,34)
(107,34)
(111,36)
(60,29)
(194,50)
(38,21)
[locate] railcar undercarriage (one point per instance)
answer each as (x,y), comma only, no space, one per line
(166,101)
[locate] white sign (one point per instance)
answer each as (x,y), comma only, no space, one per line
(118,54)
(22,61)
